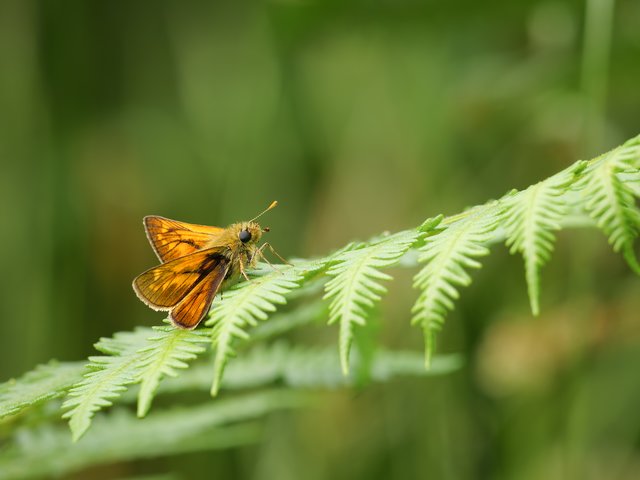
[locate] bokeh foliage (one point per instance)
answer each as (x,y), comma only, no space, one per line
(358,117)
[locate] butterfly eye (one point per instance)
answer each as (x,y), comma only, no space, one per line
(244,236)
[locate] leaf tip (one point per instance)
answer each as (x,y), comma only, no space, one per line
(429,346)
(78,429)
(344,364)
(430,223)
(143,409)
(215,387)
(535,305)
(630,257)
(535,311)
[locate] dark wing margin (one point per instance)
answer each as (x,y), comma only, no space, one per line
(163,287)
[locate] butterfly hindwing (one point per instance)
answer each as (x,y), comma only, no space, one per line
(172,239)
(165,286)
(195,305)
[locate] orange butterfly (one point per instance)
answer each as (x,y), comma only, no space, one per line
(196,261)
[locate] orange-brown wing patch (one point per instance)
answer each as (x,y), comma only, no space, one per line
(192,309)
(172,239)
(164,286)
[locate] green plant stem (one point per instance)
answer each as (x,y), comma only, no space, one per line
(595,69)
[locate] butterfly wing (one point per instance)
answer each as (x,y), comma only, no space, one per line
(172,239)
(195,305)
(165,286)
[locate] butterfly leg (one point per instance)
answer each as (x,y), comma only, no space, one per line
(267,244)
(260,253)
(244,274)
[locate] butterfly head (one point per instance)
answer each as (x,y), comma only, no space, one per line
(249,232)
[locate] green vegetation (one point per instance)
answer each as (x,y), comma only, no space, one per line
(403,340)
(448,247)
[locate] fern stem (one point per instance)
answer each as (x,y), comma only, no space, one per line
(595,66)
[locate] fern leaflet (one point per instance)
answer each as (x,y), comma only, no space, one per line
(447,254)
(43,383)
(246,303)
(531,217)
(107,378)
(166,352)
(307,367)
(355,284)
(47,452)
(611,202)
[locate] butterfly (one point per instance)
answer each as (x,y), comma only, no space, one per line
(197,261)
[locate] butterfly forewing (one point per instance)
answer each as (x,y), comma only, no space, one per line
(164,286)
(172,239)
(195,305)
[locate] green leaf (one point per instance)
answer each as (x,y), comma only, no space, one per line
(447,256)
(106,379)
(307,367)
(355,285)
(120,436)
(244,304)
(43,383)
(166,352)
(611,202)
(531,217)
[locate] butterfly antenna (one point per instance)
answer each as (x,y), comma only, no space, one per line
(273,205)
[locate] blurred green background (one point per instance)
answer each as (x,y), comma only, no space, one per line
(358,117)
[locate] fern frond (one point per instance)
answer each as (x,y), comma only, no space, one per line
(304,367)
(246,303)
(165,353)
(43,383)
(447,255)
(107,378)
(605,189)
(611,202)
(120,436)
(355,286)
(531,217)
